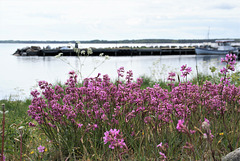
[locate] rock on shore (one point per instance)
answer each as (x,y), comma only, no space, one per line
(233,156)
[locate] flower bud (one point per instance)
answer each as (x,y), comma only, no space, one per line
(206,125)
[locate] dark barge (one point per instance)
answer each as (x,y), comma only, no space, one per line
(122,51)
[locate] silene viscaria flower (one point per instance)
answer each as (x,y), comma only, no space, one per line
(115,139)
(41,149)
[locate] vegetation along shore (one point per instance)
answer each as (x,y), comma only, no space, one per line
(121,41)
(96,119)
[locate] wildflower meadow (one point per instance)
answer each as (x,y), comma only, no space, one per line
(97,119)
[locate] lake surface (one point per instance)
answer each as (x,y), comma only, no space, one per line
(19,75)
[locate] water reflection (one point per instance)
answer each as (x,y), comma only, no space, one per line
(35,59)
(209,58)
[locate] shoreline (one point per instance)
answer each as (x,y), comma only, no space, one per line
(237,40)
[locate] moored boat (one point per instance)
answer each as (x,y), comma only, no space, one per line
(223,47)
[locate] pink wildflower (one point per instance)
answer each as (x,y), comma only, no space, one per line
(95,126)
(41,149)
(180,127)
(186,72)
(120,71)
(31,124)
(163,155)
(79,125)
(114,138)
(183,67)
(159,145)
(171,76)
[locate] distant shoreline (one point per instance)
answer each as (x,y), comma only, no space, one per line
(118,41)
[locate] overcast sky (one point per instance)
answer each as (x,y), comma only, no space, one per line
(118,19)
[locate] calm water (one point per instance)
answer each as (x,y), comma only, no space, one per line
(19,75)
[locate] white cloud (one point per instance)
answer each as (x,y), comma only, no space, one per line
(114,19)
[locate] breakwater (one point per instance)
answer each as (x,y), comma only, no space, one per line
(108,51)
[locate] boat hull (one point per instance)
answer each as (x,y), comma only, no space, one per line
(202,51)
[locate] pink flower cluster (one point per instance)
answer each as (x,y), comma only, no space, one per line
(230,59)
(183,128)
(185,70)
(98,103)
(99,100)
(171,76)
(180,127)
(115,139)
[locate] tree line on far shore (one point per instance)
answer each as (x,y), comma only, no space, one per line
(120,41)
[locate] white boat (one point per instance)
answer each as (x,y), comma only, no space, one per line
(223,47)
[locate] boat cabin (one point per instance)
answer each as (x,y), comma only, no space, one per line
(224,44)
